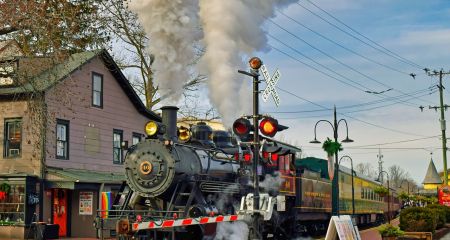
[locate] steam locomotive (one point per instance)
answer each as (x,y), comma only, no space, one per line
(180,173)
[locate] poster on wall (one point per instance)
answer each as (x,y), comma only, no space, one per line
(85,205)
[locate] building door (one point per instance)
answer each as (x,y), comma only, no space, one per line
(59,210)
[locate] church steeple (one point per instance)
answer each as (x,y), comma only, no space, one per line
(432,176)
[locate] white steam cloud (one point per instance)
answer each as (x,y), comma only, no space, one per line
(232,30)
(232,231)
(173,29)
(272,183)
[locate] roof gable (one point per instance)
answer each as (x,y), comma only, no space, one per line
(46,75)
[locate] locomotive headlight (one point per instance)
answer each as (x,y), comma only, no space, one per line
(152,128)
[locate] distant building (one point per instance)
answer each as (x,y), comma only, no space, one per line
(432,179)
(62,122)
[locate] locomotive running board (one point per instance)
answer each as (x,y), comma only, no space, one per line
(186,222)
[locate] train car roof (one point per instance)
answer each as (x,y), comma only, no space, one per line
(321,166)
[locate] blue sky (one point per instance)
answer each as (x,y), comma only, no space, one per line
(415,30)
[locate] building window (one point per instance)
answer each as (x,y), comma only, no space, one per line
(13,138)
(136,138)
(97,90)
(62,139)
(117,150)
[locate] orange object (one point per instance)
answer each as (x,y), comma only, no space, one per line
(59,209)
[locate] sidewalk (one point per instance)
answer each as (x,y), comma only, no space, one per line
(372,233)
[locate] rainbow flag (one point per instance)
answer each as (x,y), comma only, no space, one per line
(106,204)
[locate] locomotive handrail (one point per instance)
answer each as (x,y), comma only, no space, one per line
(202,148)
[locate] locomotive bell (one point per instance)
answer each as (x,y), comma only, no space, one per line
(184,134)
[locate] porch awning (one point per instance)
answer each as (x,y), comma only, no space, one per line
(67,178)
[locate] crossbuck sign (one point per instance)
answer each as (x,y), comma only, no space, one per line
(271,82)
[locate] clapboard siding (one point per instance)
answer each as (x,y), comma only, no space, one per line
(71,100)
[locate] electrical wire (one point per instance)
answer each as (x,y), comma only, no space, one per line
(328,55)
(399,97)
(333,77)
(318,70)
(380,48)
(396,142)
(356,119)
(342,46)
(361,87)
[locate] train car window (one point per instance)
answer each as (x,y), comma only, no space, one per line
(281,163)
(287,163)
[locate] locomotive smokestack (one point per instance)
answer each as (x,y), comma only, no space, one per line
(169,119)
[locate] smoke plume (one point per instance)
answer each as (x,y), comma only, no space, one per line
(232,29)
(271,183)
(232,231)
(172,27)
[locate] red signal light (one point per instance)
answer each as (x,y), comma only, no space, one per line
(268,126)
(274,157)
(242,127)
(247,157)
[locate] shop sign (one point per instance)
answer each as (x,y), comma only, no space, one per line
(342,228)
(444,196)
(85,205)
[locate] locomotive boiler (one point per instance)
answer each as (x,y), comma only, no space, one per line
(163,167)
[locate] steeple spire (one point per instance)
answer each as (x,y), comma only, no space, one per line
(432,176)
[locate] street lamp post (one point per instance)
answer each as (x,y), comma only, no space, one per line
(335,181)
(353,186)
(389,200)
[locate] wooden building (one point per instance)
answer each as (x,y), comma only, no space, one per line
(62,122)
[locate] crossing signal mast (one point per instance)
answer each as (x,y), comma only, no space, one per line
(268,127)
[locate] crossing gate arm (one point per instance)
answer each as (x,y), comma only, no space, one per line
(170,223)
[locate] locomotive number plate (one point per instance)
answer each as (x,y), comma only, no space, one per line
(146,167)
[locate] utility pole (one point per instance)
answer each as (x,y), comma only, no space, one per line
(442,107)
(380,163)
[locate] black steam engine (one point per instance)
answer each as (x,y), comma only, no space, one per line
(164,167)
(181,181)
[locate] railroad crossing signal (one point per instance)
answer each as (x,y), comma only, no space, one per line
(271,82)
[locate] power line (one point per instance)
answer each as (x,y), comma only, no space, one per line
(356,119)
(328,55)
(314,68)
(399,97)
(361,88)
(380,49)
(344,47)
(402,141)
(310,66)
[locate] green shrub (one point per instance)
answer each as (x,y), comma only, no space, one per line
(418,219)
(444,208)
(387,230)
(440,217)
